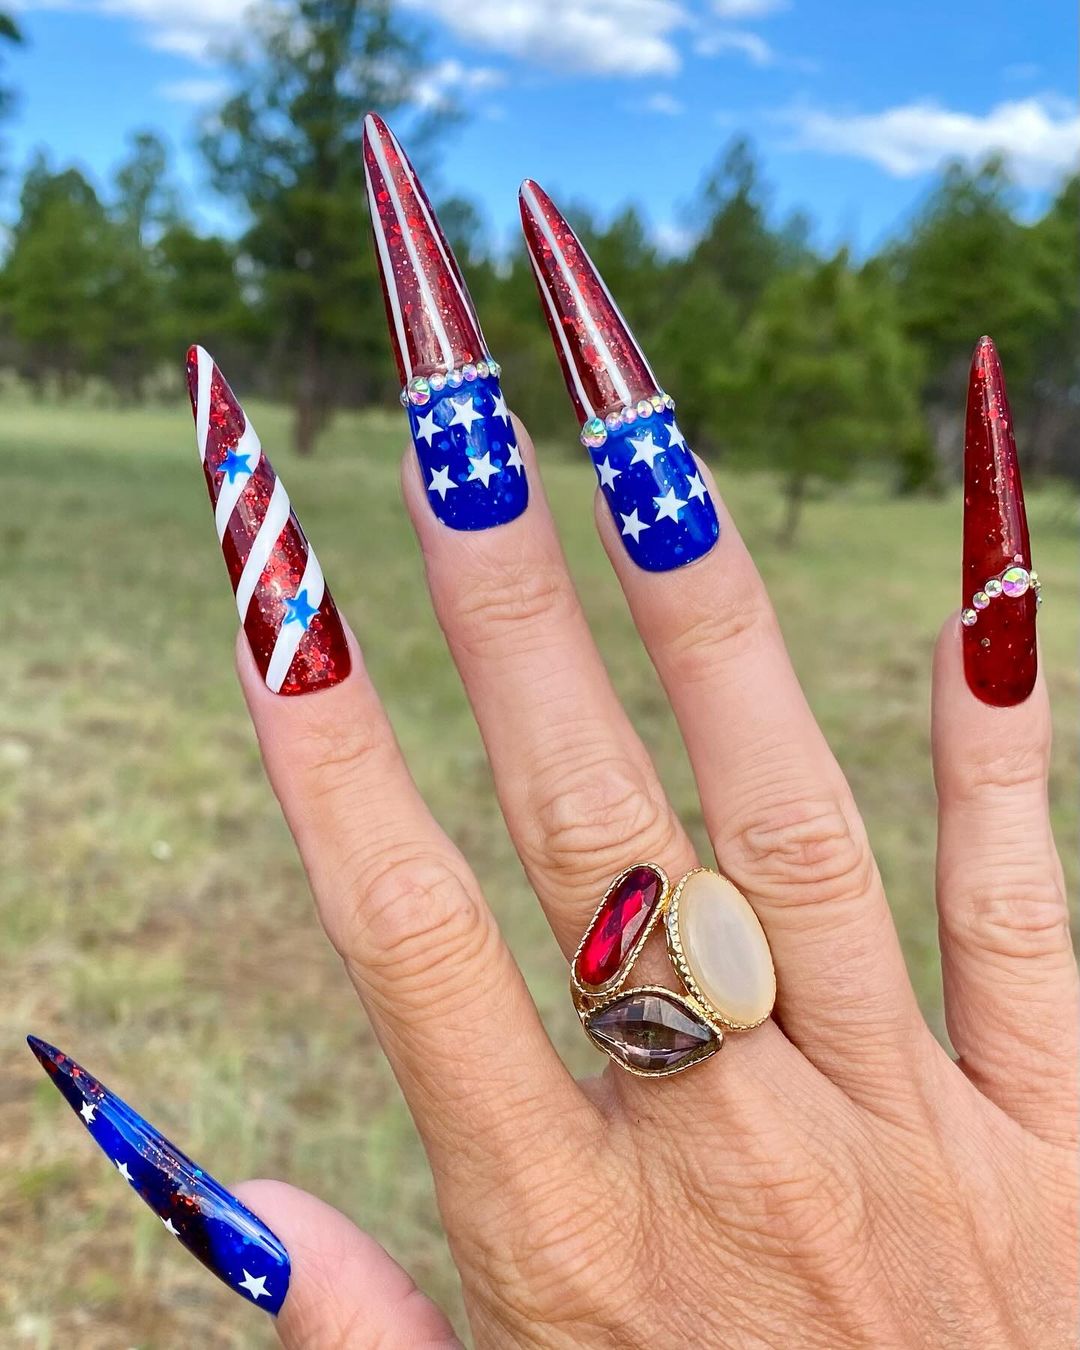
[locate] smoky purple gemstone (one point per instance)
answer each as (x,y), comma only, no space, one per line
(652,1032)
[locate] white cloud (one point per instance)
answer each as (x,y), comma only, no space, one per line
(601,37)
(605,37)
(438,85)
(191,28)
(665,105)
(1039,137)
(751,45)
(672,240)
(196,90)
(747,9)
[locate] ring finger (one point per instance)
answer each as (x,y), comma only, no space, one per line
(779,812)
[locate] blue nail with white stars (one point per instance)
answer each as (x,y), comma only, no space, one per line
(473,473)
(193,1208)
(469,459)
(659,502)
(651,482)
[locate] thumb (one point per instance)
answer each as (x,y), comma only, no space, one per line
(344,1289)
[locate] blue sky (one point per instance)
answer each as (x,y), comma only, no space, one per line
(852,105)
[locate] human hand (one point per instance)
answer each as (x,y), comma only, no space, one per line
(829,1179)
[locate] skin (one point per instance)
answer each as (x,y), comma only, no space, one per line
(832,1179)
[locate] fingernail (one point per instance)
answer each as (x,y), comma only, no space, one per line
(1001,592)
(194,1208)
(459,420)
(649,478)
(289,617)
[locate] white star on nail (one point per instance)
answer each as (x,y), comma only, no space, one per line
(668,506)
(440,481)
(500,409)
(87,1111)
(427,428)
(645,450)
(482,468)
(607,473)
(171,1227)
(465,414)
(675,437)
(514,460)
(122,1168)
(255,1287)
(632,525)
(695,488)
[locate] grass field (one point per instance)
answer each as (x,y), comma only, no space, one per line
(154,921)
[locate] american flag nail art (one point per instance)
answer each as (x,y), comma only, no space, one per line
(461,428)
(650,480)
(195,1209)
(289,617)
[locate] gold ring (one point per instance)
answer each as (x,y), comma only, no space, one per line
(717,948)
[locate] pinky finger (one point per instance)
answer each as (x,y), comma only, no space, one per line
(1009,973)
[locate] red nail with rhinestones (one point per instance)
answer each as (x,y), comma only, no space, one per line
(289,617)
(659,503)
(1001,591)
(465,441)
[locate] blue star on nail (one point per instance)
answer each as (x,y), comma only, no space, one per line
(300,610)
(235,465)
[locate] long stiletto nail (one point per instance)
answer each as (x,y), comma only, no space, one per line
(460,424)
(660,504)
(210,1222)
(289,617)
(1001,592)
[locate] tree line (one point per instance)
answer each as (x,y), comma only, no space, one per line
(814,364)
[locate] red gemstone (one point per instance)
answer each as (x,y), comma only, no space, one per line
(619,922)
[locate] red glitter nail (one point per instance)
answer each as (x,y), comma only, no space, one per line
(289,617)
(1000,589)
(433,323)
(604,367)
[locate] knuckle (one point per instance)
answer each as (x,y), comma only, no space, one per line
(517,603)
(1010,917)
(994,768)
(715,634)
(419,925)
(588,819)
(331,756)
(806,850)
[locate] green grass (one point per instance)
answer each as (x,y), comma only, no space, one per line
(153,918)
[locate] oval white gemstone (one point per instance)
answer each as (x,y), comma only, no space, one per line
(725,949)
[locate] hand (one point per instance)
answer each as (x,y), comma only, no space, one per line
(829,1179)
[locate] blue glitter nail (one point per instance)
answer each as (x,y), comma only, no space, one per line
(195,1209)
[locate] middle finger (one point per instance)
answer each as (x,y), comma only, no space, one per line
(576,785)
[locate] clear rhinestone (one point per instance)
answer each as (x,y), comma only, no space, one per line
(419,391)
(1015,581)
(454,379)
(993,587)
(645,408)
(628,414)
(482,369)
(437,382)
(968,617)
(468,372)
(980,600)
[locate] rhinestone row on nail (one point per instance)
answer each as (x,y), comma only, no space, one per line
(595,431)
(1013,582)
(421,387)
